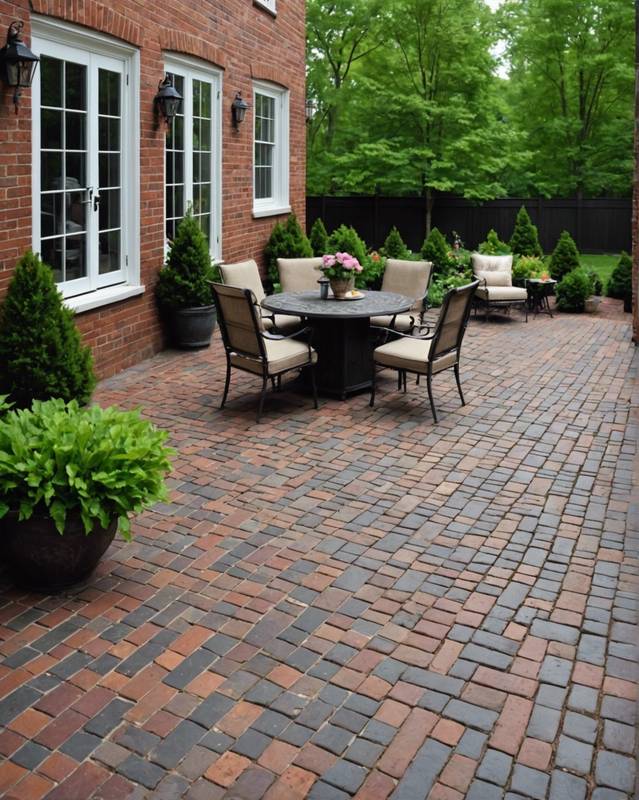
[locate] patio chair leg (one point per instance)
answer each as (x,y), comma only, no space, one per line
(459,389)
(430,396)
(279,383)
(314,385)
(227,383)
(404,380)
(399,380)
(371,402)
(273,384)
(262,396)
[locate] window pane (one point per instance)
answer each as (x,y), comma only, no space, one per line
(109,93)
(75,257)
(75,136)
(109,209)
(74,85)
(50,170)
(109,137)
(109,252)
(53,254)
(75,170)
(75,211)
(205,89)
(51,129)
(109,169)
(50,82)
(51,214)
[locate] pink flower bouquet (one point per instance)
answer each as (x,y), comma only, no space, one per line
(341,265)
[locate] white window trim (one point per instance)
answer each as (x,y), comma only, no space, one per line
(61,33)
(200,70)
(267,5)
(279,203)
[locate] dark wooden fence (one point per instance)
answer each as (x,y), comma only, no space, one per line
(602,225)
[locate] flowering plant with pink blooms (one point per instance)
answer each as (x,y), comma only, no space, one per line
(340,265)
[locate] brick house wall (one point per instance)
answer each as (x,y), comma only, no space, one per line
(238,37)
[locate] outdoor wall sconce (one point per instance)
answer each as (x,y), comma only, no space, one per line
(239,108)
(167,100)
(311,109)
(17,62)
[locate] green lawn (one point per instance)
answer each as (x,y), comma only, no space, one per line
(602,265)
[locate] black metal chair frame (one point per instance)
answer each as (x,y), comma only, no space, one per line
(479,302)
(263,358)
(435,338)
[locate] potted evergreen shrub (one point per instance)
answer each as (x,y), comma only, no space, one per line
(620,283)
(394,246)
(319,238)
(41,353)
(573,291)
(183,291)
(435,249)
(69,476)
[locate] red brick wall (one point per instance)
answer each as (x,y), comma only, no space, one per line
(236,36)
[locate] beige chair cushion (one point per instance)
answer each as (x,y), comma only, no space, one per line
(409,278)
(282,354)
(482,263)
(495,278)
(502,293)
(412,354)
(244,274)
(299,274)
(403,322)
(283,322)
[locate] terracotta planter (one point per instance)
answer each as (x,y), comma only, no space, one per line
(39,558)
(341,286)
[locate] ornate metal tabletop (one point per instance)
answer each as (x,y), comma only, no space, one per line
(309,304)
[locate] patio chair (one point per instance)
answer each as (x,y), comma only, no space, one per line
(426,353)
(299,274)
(246,275)
(252,349)
(496,289)
(412,279)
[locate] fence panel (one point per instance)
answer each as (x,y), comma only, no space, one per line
(601,225)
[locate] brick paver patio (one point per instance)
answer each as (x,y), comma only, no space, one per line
(355,602)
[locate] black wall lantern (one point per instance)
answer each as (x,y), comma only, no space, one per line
(239,108)
(17,62)
(310,108)
(167,100)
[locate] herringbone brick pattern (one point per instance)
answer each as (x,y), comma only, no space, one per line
(352,602)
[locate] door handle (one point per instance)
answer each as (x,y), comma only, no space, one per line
(96,201)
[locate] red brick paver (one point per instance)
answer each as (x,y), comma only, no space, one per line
(352,602)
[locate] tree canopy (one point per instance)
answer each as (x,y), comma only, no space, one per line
(410,100)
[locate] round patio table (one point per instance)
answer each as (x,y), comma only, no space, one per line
(341,334)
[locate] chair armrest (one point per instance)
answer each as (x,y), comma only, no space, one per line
(269,335)
(405,335)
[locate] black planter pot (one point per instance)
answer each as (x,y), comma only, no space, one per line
(627,304)
(40,558)
(193,327)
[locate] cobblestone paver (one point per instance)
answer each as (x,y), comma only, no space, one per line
(353,602)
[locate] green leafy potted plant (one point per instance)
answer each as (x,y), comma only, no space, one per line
(69,477)
(41,352)
(573,291)
(183,291)
(493,246)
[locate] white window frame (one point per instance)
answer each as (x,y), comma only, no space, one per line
(190,69)
(54,37)
(279,202)
(267,5)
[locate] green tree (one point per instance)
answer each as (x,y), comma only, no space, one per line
(525,238)
(571,93)
(435,249)
(319,238)
(493,245)
(620,282)
(394,246)
(565,257)
(41,352)
(287,240)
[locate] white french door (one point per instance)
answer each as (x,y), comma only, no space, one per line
(80,166)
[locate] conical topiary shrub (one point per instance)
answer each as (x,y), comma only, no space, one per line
(345,239)
(435,249)
(319,238)
(620,283)
(287,240)
(41,352)
(565,257)
(184,281)
(394,246)
(525,238)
